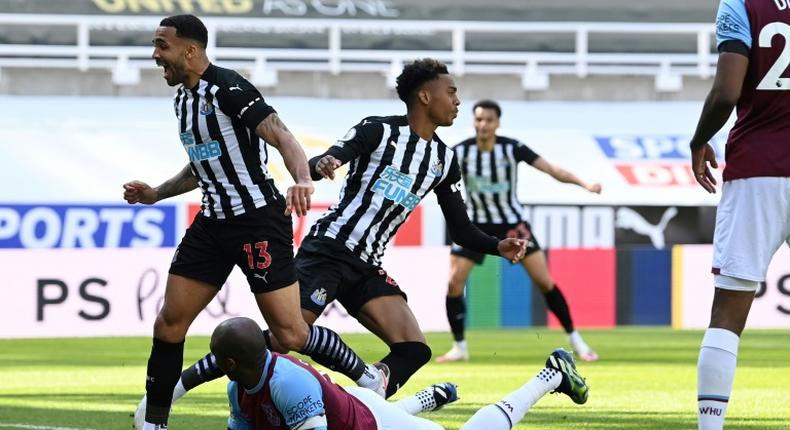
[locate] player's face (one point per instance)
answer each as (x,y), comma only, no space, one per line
(170,54)
(444,102)
(227,366)
(486,122)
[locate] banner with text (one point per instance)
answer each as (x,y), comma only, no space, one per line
(591,227)
(692,289)
(118,292)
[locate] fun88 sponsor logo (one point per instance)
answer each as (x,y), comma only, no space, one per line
(87,226)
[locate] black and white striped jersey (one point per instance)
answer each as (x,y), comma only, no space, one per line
(392,169)
(217,121)
(491,179)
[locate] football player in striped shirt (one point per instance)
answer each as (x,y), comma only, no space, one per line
(244,220)
(394,162)
(489,166)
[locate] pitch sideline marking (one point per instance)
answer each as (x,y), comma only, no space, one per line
(35,427)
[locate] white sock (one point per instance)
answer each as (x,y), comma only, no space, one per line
(490,417)
(179,391)
(715,373)
(370,377)
(149,426)
(423,401)
(461,344)
(510,410)
(576,341)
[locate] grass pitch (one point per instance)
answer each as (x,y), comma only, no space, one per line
(646,379)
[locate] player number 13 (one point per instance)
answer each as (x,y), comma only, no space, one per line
(264,258)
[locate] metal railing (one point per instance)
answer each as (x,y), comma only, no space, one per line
(533,67)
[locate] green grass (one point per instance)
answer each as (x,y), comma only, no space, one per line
(646,379)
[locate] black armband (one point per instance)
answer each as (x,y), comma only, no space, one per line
(735,46)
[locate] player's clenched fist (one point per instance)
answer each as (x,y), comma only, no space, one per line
(326,166)
(512,249)
(594,188)
(139,192)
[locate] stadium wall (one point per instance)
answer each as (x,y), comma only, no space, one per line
(76,261)
(118,291)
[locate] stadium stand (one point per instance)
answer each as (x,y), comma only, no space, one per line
(569,50)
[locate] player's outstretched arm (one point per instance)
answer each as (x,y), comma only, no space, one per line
(563,175)
(297,198)
(140,192)
(722,98)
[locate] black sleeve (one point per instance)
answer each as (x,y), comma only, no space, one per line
(363,138)
(243,101)
(462,230)
(524,153)
(334,151)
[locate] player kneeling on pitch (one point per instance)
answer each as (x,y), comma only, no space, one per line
(276,391)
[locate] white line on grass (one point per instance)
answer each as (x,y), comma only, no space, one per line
(34,427)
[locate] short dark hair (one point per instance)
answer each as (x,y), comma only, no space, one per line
(188,27)
(417,73)
(488,104)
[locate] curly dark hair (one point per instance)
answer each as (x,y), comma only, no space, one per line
(488,104)
(188,27)
(417,73)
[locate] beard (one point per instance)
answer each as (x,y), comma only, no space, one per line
(172,74)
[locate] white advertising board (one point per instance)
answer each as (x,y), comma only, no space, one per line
(692,289)
(82,149)
(118,292)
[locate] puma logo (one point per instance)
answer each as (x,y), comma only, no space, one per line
(631,220)
(261,276)
(235,87)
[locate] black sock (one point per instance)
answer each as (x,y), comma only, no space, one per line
(456,315)
(204,370)
(555,301)
(404,360)
(328,349)
(164,369)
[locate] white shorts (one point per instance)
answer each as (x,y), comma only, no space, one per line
(752,222)
(388,416)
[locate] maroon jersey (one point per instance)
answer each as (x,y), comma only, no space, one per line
(343,411)
(759,143)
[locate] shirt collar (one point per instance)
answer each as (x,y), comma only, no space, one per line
(265,372)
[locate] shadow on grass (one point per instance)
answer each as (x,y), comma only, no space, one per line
(570,418)
(202,411)
(99,411)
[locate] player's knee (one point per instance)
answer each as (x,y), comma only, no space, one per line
(274,344)
(416,353)
(456,285)
(544,284)
(290,338)
(169,328)
(422,354)
(455,289)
